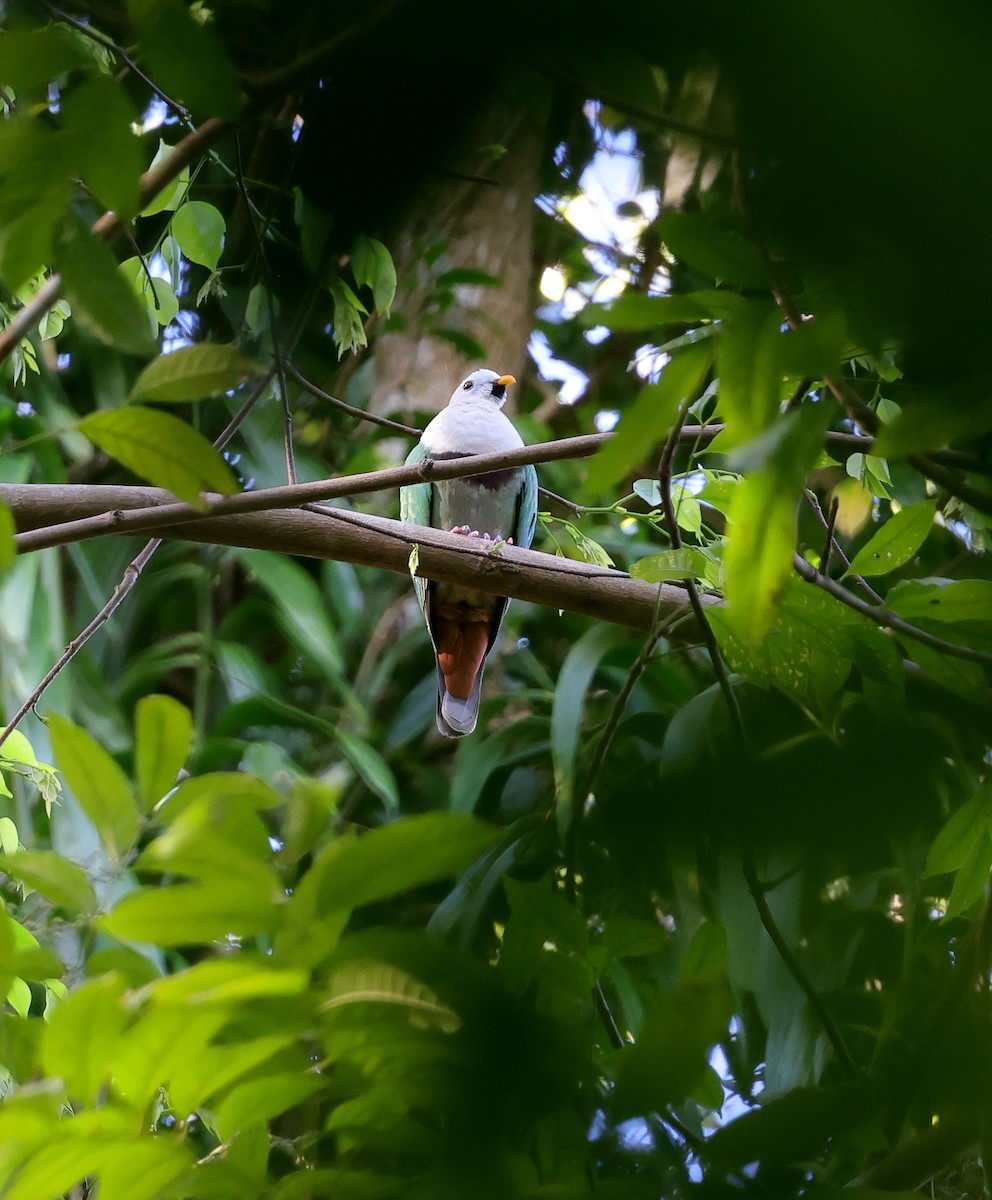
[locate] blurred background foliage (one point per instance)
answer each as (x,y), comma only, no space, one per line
(681,918)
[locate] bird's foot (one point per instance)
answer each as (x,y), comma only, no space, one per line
(468,531)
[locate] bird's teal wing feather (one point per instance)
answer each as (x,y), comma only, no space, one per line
(415,509)
(415,499)
(526,522)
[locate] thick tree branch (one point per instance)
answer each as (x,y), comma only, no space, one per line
(597,592)
(107,520)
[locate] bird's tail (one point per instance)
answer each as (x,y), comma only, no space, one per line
(457,717)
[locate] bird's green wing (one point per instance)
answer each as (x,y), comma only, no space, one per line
(415,499)
(415,509)
(526,522)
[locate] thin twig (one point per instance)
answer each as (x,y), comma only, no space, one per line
(107,43)
(884,617)
(298,377)
(829,539)
(131,576)
(838,550)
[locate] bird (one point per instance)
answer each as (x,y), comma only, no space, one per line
(499,506)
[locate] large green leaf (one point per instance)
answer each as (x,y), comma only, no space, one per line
(100,296)
(97,120)
(163,734)
(792,1127)
(751,371)
(162,449)
(762,526)
(57,879)
(193,373)
(649,418)
(669,1057)
(29,59)
(896,542)
(101,787)
(354,871)
(192,913)
(199,230)
(714,249)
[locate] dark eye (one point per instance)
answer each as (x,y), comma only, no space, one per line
(467,385)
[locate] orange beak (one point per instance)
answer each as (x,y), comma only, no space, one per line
(506,380)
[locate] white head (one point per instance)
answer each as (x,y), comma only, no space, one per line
(483,385)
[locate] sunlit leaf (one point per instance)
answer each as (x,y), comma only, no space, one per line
(896,542)
(199,230)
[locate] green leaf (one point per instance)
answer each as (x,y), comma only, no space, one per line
(57,879)
(896,542)
(806,652)
(669,1058)
(82,1034)
(972,878)
(163,735)
(714,249)
(101,787)
(349,330)
(574,679)
(372,266)
(751,371)
(961,831)
(199,230)
(962,601)
(156,295)
(191,913)
(29,59)
(792,1127)
(193,373)
(687,563)
(8,551)
(162,449)
(363,981)
(354,871)
(186,59)
(757,562)
(370,767)
(705,959)
(262,1099)
(173,194)
(634,311)
(102,300)
(649,418)
(97,119)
